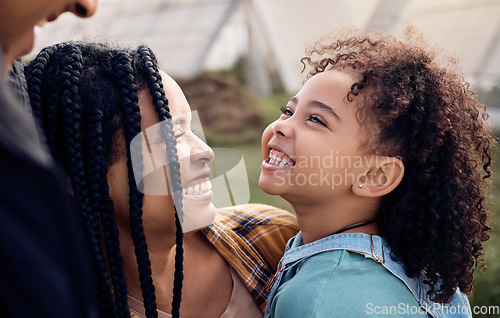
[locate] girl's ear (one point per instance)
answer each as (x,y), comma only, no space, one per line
(384,177)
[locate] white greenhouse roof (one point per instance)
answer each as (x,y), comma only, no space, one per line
(189,36)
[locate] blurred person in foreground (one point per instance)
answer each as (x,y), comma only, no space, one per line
(44,270)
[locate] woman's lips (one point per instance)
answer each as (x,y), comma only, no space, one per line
(199,190)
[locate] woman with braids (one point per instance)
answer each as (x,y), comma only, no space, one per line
(385,157)
(92,102)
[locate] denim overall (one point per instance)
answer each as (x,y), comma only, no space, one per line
(370,246)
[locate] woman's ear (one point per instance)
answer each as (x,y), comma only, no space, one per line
(381,179)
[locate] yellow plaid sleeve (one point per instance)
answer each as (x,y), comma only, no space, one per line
(252,238)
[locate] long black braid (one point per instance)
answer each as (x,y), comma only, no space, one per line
(67,103)
(123,69)
(82,95)
(161,104)
(102,202)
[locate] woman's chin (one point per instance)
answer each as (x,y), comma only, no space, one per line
(196,214)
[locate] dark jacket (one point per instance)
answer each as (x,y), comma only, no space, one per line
(45,268)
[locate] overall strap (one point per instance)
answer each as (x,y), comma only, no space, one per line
(368,245)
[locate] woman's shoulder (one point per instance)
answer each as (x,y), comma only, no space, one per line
(252,238)
(264,229)
(254,214)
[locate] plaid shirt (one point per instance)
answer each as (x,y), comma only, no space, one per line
(252,238)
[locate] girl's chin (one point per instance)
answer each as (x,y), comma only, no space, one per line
(270,185)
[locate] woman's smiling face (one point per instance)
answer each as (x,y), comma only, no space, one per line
(193,154)
(312,148)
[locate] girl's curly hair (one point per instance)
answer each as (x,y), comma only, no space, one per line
(422,110)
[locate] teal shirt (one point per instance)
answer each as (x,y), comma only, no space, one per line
(342,284)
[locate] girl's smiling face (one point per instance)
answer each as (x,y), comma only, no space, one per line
(314,147)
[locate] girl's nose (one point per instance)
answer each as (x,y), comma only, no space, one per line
(282,128)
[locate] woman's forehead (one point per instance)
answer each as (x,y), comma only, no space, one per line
(177,103)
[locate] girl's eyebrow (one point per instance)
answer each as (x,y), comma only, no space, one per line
(328,109)
(320,105)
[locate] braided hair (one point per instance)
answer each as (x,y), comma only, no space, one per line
(160,101)
(82,94)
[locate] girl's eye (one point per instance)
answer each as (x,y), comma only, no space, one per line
(286,111)
(317,120)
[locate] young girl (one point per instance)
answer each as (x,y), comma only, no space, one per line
(91,101)
(384,155)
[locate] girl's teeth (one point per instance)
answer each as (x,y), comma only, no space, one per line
(276,159)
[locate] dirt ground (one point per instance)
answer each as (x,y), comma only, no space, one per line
(226,108)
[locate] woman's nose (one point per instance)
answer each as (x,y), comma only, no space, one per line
(200,151)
